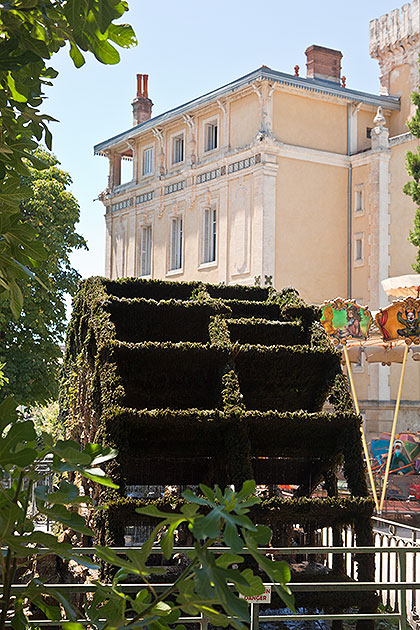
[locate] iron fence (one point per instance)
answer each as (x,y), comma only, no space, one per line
(399,594)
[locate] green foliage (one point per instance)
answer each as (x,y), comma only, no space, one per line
(21,542)
(46,420)
(204,587)
(30,345)
(204,411)
(191,397)
(412,187)
(32,31)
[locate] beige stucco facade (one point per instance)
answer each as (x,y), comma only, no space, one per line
(302,180)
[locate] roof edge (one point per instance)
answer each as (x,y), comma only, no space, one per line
(263,73)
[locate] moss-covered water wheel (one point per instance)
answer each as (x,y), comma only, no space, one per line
(201,383)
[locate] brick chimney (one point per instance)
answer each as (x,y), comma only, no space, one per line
(323,63)
(142,105)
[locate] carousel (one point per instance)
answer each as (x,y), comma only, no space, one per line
(391,335)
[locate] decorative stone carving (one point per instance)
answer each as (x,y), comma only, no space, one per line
(192,144)
(264,91)
(380,134)
(160,137)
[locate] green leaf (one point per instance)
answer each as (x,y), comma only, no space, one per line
(193,498)
(225,560)
(67,493)
(232,538)
(69,450)
(167,544)
(100,454)
(208,492)
(16,95)
(76,56)
(248,489)
(8,412)
(207,526)
(152,510)
(262,536)
(61,514)
(15,299)
(123,35)
(109,555)
(105,52)
(97,475)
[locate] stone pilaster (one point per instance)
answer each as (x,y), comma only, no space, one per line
(114,178)
(108,246)
(264,220)
(379,240)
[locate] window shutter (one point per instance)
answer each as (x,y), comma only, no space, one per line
(149,251)
(206,235)
(173,244)
(175,254)
(146,251)
(213,235)
(142,252)
(180,243)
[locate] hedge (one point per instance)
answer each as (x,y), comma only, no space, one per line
(317,512)
(170,320)
(267,332)
(179,376)
(195,382)
(152,289)
(285,378)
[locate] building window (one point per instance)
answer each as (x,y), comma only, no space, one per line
(368,132)
(175,254)
(358,249)
(178,149)
(148,161)
(358,207)
(209,235)
(360,365)
(146,251)
(211,136)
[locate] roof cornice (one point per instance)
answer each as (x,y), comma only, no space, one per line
(316,86)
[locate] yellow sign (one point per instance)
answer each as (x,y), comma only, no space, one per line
(400,320)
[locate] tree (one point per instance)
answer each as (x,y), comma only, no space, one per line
(412,188)
(30,345)
(31,32)
(46,419)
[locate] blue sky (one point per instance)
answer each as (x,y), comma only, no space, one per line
(188,48)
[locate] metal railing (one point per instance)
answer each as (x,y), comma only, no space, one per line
(399,586)
(392,534)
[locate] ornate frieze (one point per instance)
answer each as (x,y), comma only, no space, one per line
(120,205)
(209,175)
(147,196)
(171,188)
(246,163)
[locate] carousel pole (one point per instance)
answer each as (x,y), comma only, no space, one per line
(394,427)
(356,406)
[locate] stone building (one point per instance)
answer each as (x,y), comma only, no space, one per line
(279,179)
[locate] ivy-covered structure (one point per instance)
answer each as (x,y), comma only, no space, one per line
(217,384)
